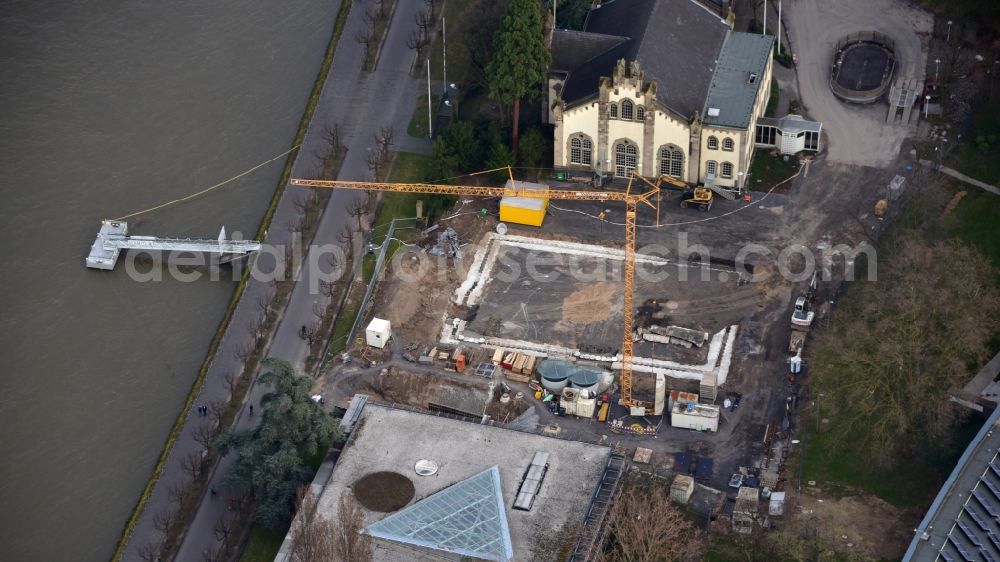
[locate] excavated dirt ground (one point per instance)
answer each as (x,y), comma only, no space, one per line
(860,525)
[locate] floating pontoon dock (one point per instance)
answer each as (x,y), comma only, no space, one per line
(113,237)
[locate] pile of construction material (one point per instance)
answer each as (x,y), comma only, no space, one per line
(519,367)
(454,358)
(448,245)
(675,335)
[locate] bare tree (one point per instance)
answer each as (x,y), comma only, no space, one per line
(204,434)
(896,342)
(312,535)
(345,235)
(415,41)
(150,551)
(211,554)
(368,17)
(384,138)
(255,329)
(192,463)
(430,5)
(301,202)
(163,519)
(331,134)
(424,21)
(311,333)
(648,527)
(349,543)
(364,37)
(232,380)
(265,300)
(357,209)
(224,527)
(177,491)
(245,352)
(218,409)
(295,224)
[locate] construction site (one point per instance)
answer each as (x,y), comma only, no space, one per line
(524,310)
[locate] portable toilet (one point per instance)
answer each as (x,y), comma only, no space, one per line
(378,332)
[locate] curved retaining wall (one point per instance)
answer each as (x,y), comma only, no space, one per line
(844,48)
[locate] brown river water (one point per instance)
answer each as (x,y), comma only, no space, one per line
(105,108)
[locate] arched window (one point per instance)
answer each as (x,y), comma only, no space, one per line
(727,144)
(580,150)
(713,143)
(626,158)
(671,161)
(627,109)
(640,113)
(711,167)
(727,170)
(612,110)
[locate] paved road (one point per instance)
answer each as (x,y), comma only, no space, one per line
(361,103)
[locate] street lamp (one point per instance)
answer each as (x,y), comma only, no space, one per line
(927,103)
(948,38)
(937,66)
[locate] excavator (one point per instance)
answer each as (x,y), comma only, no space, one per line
(700,197)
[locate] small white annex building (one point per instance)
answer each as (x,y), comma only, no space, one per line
(790,135)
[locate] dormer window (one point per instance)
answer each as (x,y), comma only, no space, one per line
(627,109)
(753,78)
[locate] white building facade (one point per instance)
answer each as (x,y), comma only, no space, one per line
(683,102)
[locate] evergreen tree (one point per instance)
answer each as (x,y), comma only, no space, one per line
(520,60)
(271,457)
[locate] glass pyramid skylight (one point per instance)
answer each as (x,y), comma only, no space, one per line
(466,518)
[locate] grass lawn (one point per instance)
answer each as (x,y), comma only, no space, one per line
(263,545)
(976,221)
(913,483)
(406,167)
(418,122)
(979,154)
(768,170)
(457,17)
(772,103)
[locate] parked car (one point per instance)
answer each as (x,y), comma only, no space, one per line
(736,481)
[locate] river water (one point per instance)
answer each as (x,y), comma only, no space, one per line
(106,108)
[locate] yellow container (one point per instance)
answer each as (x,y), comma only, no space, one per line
(538,395)
(523,210)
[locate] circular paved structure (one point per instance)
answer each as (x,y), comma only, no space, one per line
(383,491)
(863,65)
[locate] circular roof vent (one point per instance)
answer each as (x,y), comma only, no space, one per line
(426,467)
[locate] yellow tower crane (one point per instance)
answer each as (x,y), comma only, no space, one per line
(630,199)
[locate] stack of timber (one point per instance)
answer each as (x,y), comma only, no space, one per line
(519,366)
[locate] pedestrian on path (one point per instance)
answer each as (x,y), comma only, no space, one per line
(251,409)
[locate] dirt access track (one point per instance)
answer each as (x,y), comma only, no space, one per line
(855,134)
